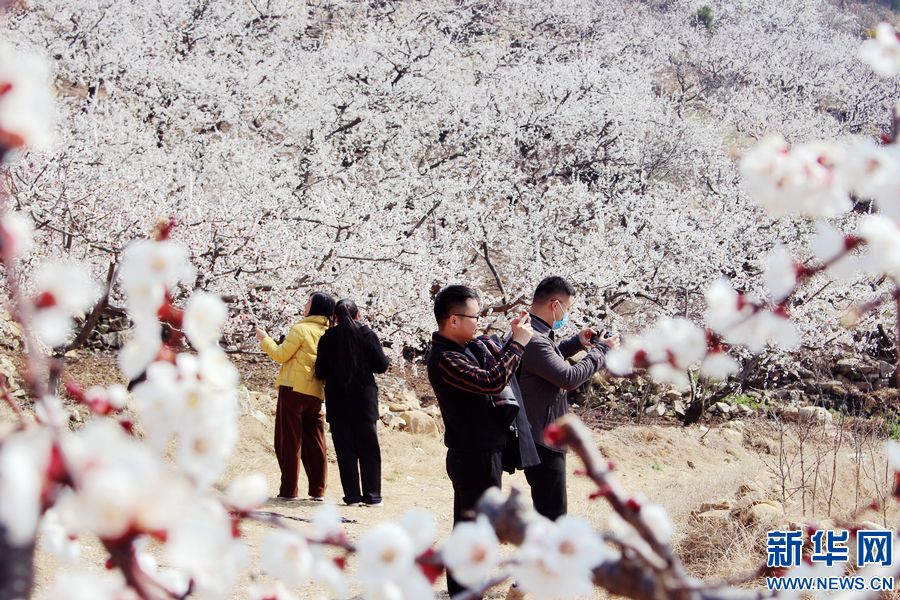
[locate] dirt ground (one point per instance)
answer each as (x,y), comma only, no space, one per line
(675,467)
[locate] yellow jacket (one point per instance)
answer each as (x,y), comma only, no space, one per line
(297,355)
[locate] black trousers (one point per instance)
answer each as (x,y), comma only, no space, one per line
(472,473)
(358,457)
(548,483)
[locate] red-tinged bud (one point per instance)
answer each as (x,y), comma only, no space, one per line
(741,301)
(640,360)
(56,467)
(802,271)
(10,140)
(633,505)
(5,87)
(671,358)
(71,537)
(170,314)
(781,311)
(430,565)
(885,138)
(164,229)
(851,242)
(897,485)
(45,300)
(612,465)
(341,562)
(74,389)
(235,527)
(127,425)
(875,505)
(580,473)
(553,435)
(109,564)
(602,491)
(160,535)
(811,528)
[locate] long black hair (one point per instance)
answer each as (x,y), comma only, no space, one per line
(321,304)
(348,338)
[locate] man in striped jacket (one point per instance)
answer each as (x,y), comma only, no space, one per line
(464,382)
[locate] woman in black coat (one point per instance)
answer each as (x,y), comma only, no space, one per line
(349,354)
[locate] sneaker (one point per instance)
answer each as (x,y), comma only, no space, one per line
(317,499)
(378,504)
(357,503)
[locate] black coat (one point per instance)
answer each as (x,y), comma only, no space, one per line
(350,398)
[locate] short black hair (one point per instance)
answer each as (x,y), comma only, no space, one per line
(322,304)
(552,286)
(451,299)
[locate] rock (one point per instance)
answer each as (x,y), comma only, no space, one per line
(259,416)
(691,464)
(722,408)
(885,369)
(724,504)
(110,340)
(764,513)
(849,367)
(713,516)
(795,396)
(397,395)
(834,387)
(814,414)
(577,356)
(745,410)
(672,396)
(419,422)
(679,408)
(392,421)
(658,410)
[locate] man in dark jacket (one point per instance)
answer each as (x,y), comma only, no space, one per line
(466,374)
(545,378)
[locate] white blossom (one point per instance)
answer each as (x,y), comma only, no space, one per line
(248,492)
(718,366)
(472,551)
(204,318)
(781,274)
(16,235)
(892,449)
(882,53)
(385,554)
(27,108)
(63,289)
(286,556)
(796,181)
(24,458)
(883,237)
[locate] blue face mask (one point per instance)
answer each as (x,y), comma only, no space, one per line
(560,323)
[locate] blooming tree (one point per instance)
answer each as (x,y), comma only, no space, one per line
(104,481)
(342,146)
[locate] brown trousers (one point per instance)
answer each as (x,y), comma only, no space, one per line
(300,430)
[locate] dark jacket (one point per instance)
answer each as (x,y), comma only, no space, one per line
(463,385)
(350,398)
(545,376)
(527,455)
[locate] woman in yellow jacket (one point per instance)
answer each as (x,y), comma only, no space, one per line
(299,422)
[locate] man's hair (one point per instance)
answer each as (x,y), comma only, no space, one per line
(452,299)
(322,305)
(552,287)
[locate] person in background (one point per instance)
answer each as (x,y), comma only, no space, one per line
(349,355)
(545,378)
(299,423)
